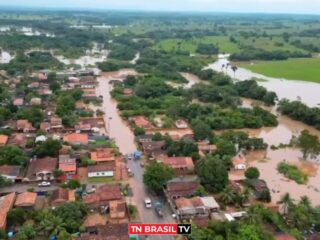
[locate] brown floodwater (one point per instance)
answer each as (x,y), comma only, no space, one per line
(268,160)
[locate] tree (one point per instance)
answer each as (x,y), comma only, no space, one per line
(72,214)
(26,232)
(72,184)
(201,130)
(12,155)
(213,173)
(234,69)
(157,175)
(4,182)
(16,216)
(252,173)
(309,144)
(49,148)
(57,173)
(287,203)
(228,196)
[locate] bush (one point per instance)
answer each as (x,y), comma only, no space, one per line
(292,172)
(252,173)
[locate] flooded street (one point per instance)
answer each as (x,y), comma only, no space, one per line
(120,131)
(308,92)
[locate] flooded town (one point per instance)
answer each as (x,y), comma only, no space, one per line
(111,121)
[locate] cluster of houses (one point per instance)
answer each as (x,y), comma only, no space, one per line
(86,155)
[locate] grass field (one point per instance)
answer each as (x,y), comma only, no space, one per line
(305,69)
(191,45)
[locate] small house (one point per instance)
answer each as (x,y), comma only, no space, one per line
(239,162)
(26,200)
(62,195)
(102,170)
(76,138)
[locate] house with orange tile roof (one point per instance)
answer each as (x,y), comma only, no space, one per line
(181,165)
(76,138)
(106,169)
(41,169)
(3,140)
(25,126)
(19,139)
(142,122)
(56,122)
(10,172)
(6,204)
(62,195)
(18,102)
(94,220)
(239,162)
(103,195)
(118,209)
(102,155)
(26,200)
(68,166)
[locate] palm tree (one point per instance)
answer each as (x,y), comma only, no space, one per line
(254,214)
(228,196)
(51,224)
(287,203)
(305,200)
(234,69)
(243,197)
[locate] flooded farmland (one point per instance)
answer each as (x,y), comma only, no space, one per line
(307,92)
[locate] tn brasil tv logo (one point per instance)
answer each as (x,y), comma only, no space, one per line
(159,229)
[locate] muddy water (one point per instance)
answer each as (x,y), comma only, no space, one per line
(87,60)
(120,131)
(5,57)
(267,161)
(306,91)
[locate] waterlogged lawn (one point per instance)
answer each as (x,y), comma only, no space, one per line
(304,69)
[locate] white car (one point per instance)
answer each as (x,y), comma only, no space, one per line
(148,203)
(44,184)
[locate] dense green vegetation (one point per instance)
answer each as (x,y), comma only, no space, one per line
(300,112)
(292,172)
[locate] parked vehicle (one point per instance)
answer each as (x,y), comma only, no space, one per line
(158,209)
(148,203)
(142,164)
(44,184)
(130,173)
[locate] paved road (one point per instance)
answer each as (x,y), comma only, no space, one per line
(126,142)
(23,187)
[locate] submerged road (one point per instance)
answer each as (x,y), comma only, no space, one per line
(124,138)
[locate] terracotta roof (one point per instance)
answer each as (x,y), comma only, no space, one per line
(76,138)
(18,102)
(104,193)
(181,189)
(26,199)
(117,209)
(103,167)
(6,203)
(67,164)
(82,127)
(239,159)
(3,139)
(103,155)
(24,124)
(45,126)
(154,145)
(95,219)
(179,162)
(114,231)
(56,122)
(47,164)
(20,140)
(13,171)
(80,105)
(142,121)
(61,195)
(284,236)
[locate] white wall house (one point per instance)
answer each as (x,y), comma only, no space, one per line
(101,170)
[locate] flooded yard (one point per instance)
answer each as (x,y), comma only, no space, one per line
(267,161)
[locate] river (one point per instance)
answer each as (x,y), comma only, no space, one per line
(307,92)
(120,131)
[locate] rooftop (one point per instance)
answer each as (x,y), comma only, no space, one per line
(26,199)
